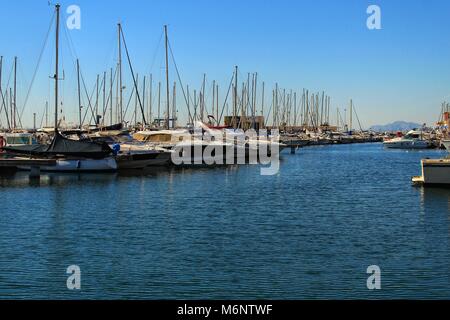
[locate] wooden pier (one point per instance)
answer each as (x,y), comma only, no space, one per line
(34,164)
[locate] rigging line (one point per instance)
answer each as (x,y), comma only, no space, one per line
(156,51)
(181,83)
(357,118)
(5,107)
(6,92)
(89,98)
(129,102)
(297,105)
(268,114)
(109,97)
(226,99)
(38,63)
(112,50)
(9,77)
(70,43)
(3,98)
(93,116)
(134,78)
(21,76)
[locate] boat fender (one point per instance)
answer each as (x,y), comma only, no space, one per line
(116,149)
(2,143)
(78,164)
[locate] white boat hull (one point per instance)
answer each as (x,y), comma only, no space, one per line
(140,161)
(80,165)
(446,144)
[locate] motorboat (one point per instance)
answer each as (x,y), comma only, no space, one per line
(446,144)
(70,155)
(139,156)
(16,139)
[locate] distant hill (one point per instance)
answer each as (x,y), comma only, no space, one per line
(396,126)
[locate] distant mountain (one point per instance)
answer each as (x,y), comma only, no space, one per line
(396,126)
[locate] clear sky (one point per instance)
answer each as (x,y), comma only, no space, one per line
(401,72)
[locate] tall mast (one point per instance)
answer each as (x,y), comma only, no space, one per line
(262,101)
(217,105)
(79,92)
(159,103)
(3,103)
(97,102)
(213,96)
(202,99)
(143,102)
(46,114)
(174,105)
(150,96)
(119,27)
(104,98)
(136,101)
(167,78)
(351,115)
(275,109)
(11,107)
(111,97)
(57,6)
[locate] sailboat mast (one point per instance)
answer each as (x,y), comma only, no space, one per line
(167,78)
(351,115)
(57,6)
(79,92)
(97,101)
(119,27)
(111,97)
(104,98)
(150,96)
(143,102)
(174,105)
(15,92)
(46,114)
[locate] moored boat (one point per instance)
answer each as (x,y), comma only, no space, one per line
(446,144)
(435,172)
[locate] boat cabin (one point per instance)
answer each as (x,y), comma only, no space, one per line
(17,139)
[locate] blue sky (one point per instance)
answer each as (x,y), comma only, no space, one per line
(401,72)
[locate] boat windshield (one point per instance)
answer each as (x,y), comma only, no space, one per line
(19,140)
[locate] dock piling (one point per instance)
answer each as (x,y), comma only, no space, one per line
(35,172)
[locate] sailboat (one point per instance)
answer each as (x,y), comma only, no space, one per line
(412,140)
(70,155)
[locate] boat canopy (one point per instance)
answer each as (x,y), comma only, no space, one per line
(161,136)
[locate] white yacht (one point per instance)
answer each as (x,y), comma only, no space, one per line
(412,140)
(16,139)
(446,144)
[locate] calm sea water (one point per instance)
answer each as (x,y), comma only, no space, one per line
(309,232)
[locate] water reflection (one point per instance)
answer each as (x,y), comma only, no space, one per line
(22,179)
(229,233)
